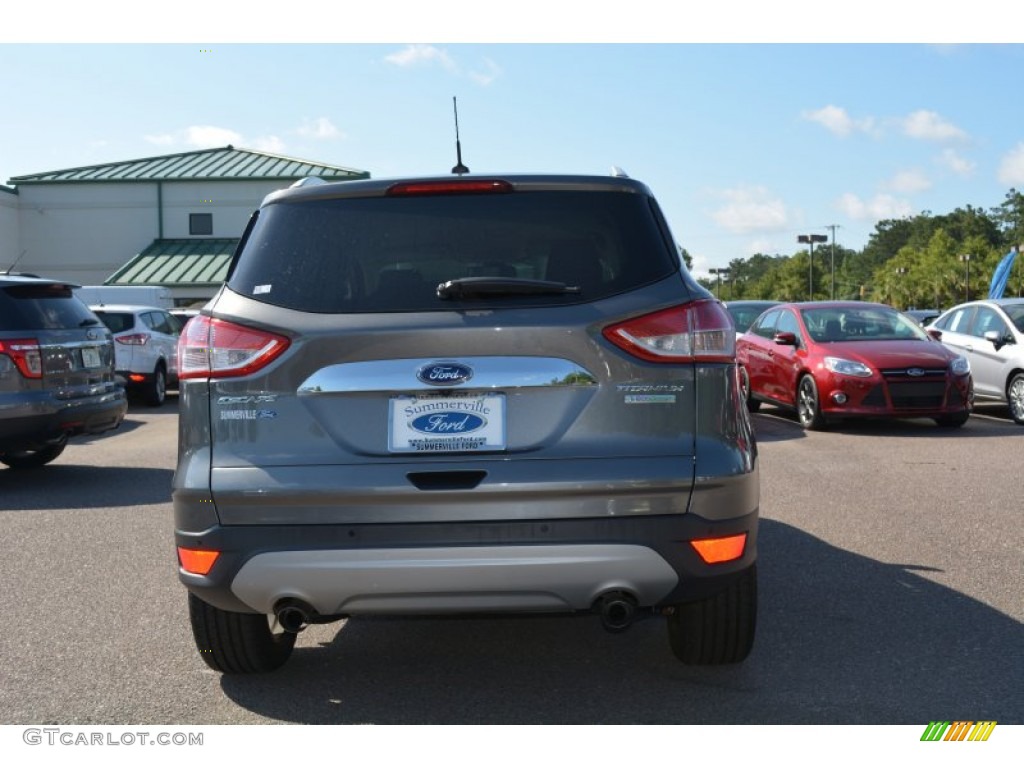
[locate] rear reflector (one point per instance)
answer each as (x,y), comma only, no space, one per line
(197,561)
(701,331)
(720,550)
(217,348)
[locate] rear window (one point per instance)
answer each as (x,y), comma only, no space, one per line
(117,321)
(390,254)
(42,307)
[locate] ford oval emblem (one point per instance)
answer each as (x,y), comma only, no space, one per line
(915,372)
(448,423)
(444,374)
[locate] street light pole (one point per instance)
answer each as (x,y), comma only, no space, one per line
(719,271)
(811,240)
(966,258)
(901,271)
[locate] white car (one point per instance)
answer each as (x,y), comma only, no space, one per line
(145,348)
(990,334)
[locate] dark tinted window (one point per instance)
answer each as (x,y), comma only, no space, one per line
(957,321)
(987,319)
(117,321)
(860,324)
(1016,313)
(788,324)
(390,254)
(766,325)
(42,307)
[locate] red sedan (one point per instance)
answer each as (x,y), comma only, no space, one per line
(833,359)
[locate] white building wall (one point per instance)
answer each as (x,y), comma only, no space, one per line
(84,232)
(10,238)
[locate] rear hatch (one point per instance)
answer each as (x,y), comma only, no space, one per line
(384,358)
(60,347)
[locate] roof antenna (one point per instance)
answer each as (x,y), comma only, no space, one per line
(20,257)
(459,167)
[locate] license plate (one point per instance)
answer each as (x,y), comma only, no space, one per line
(91,357)
(447,423)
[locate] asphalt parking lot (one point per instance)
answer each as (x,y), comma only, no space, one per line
(890,593)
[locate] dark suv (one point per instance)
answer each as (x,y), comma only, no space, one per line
(56,371)
(463,395)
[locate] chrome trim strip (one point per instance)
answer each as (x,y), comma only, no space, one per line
(488,373)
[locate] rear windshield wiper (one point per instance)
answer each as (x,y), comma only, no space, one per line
(473,287)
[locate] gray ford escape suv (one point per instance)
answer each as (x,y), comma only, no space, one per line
(463,395)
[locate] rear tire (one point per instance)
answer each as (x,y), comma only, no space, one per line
(1015,397)
(156,391)
(237,643)
(752,404)
(34,458)
(718,629)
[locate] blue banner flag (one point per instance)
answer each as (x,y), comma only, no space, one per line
(1001,275)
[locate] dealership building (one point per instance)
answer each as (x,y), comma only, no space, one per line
(171,221)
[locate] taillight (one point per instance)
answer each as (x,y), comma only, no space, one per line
(135,339)
(26,356)
(701,331)
(217,348)
(454,187)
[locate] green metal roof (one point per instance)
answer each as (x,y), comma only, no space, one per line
(173,263)
(224,163)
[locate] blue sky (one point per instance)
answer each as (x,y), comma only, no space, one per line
(746,143)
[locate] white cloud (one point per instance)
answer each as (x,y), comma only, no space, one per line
(908,182)
(490,72)
(1011,167)
(958,164)
(930,126)
(428,55)
(321,128)
(271,144)
(838,121)
(881,206)
(205,136)
(417,55)
(751,209)
(163,139)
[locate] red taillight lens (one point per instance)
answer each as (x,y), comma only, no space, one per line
(26,356)
(701,331)
(217,348)
(455,187)
(136,339)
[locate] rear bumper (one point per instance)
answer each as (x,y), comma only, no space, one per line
(515,566)
(29,426)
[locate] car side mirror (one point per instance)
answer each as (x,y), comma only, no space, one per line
(998,340)
(786,339)
(935,333)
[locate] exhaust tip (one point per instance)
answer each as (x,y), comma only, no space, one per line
(293,615)
(617,610)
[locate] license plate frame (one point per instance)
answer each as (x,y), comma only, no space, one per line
(452,422)
(91,358)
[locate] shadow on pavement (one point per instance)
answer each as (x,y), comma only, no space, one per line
(842,639)
(71,486)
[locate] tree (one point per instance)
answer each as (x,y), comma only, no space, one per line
(1009,217)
